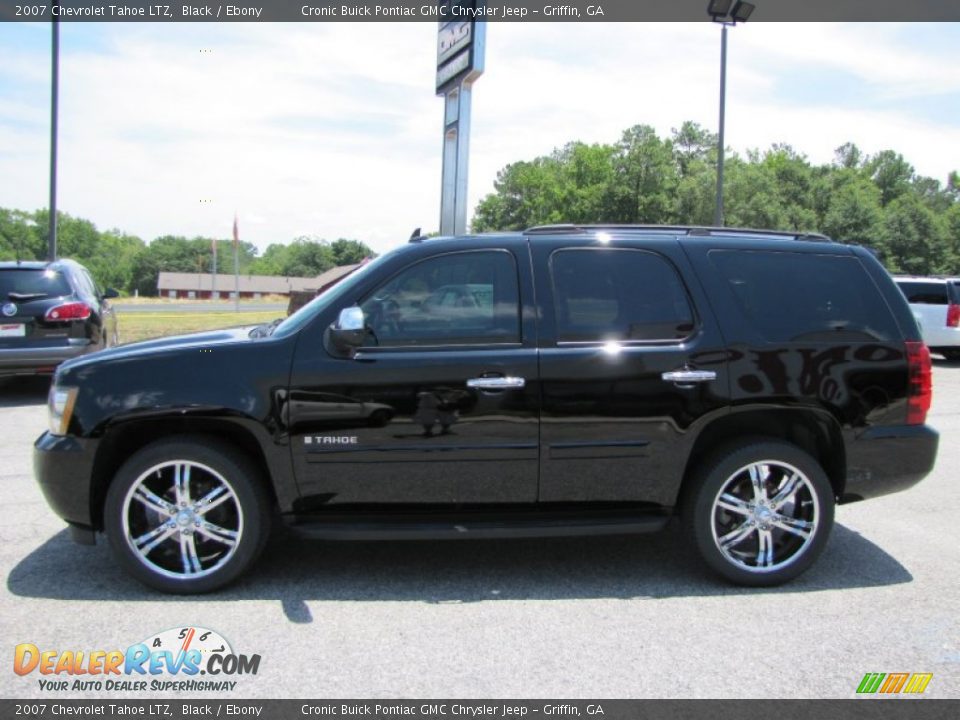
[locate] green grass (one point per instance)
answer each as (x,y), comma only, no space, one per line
(148,325)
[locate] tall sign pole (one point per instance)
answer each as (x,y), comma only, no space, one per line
(54,98)
(460,55)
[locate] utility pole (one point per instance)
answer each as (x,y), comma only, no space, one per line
(54,100)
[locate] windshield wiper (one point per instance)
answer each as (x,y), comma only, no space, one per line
(26,296)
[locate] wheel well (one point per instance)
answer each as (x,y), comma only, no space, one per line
(811,431)
(123,441)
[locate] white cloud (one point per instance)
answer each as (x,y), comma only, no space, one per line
(333,129)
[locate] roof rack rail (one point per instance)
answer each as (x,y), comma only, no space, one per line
(690,230)
(562,228)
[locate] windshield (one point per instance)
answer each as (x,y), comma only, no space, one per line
(302,316)
(31,284)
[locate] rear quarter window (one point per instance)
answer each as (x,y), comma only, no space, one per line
(806,297)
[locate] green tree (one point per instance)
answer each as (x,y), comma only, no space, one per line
(693,148)
(875,201)
(852,213)
(112,263)
(891,173)
(952,231)
(751,197)
(848,156)
(913,238)
(793,179)
(307,257)
(526,193)
(168,253)
(349,252)
(645,177)
(933,194)
(21,237)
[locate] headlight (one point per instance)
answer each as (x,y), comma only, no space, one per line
(60,403)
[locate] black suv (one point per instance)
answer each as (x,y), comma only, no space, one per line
(591,380)
(51,311)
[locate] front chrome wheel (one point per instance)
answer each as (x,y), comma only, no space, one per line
(188,514)
(765,516)
(182,519)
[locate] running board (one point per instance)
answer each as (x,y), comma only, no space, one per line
(470,528)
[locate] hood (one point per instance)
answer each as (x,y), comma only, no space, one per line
(229,336)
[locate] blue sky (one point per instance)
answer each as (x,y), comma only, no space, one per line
(333,130)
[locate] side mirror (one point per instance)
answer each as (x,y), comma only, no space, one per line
(110,293)
(348,332)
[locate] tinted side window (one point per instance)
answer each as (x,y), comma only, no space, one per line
(618,294)
(924,293)
(455,299)
(805,297)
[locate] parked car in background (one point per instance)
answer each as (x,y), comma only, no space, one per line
(51,312)
(935,303)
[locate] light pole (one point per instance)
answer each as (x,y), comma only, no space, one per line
(720,11)
(54,96)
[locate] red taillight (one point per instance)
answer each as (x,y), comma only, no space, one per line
(919,382)
(68,311)
(953,315)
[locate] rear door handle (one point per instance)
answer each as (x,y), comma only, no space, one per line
(496,383)
(689,377)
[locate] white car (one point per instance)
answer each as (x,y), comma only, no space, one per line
(936,306)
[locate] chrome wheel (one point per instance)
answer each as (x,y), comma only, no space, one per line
(182,519)
(765,516)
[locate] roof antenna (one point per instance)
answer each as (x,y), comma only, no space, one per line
(415,236)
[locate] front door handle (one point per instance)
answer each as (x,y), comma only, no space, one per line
(496,383)
(689,377)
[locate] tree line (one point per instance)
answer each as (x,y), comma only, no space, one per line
(874,200)
(125,262)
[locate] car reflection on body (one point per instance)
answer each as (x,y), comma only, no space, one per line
(305,407)
(474,295)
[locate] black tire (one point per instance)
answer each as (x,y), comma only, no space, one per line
(722,509)
(951,355)
(226,538)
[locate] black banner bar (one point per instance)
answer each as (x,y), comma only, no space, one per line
(170,709)
(493,11)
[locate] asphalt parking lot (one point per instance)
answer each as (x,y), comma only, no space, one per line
(574,618)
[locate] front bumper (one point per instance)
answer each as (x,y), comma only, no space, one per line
(63,467)
(886,460)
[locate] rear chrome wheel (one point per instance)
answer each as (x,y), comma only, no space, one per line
(185,516)
(765,516)
(760,514)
